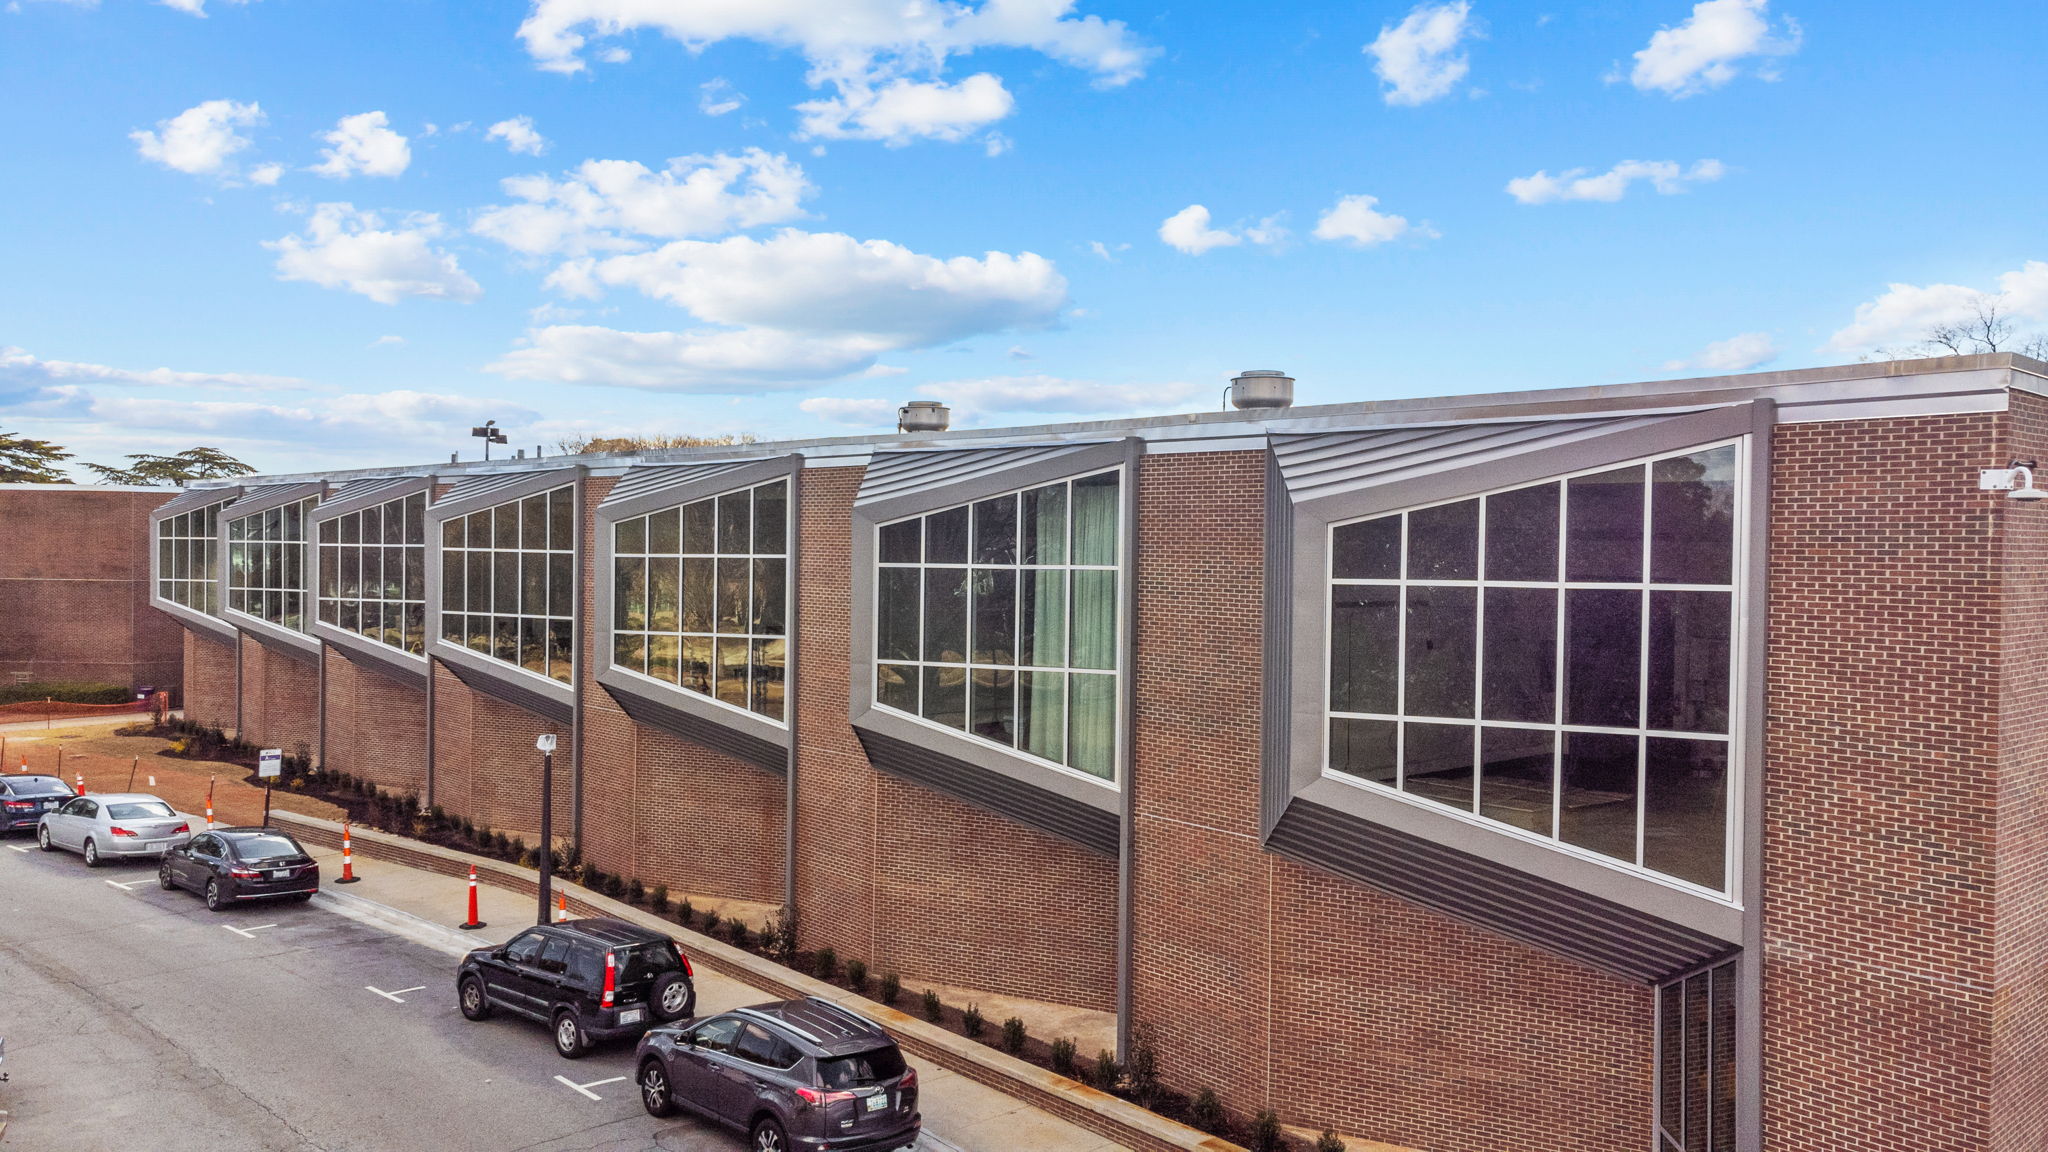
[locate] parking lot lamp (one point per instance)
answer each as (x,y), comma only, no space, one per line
(546,744)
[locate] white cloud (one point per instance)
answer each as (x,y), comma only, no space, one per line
(1905,313)
(519,135)
(344,248)
(716,97)
(865,51)
(902,111)
(1189,231)
(1057,395)
(201,139)
(380,341)
(363,145)
(880,370)
(20,369)
(1735,354)
(1702,53)
(193,7)
(615,55)
(859,412)
(1418,58)
(266,174)
(605,204)
(1354,219)
(1105,251)
(1667,177)
(705,361)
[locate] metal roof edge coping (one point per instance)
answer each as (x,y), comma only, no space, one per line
(1070,1100)
(1248,423)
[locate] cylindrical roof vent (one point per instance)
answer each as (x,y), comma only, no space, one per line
(1261,388)
(923,416)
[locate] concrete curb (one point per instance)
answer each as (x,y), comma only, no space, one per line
(1100,1113)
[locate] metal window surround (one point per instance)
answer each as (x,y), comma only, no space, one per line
(190,500)
(495,678)
(645,488)
(1618,921)
(355,496)
(256,501)
(1086,811)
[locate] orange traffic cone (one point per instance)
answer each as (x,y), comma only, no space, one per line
(561,907)
(473,921)
(348,871)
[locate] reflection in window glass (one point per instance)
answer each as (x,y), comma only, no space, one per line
(267,564)
(505,587)
(1695,1091)
(1523,657)
(373,572)
(704,590)
(1000,619)
(188,558)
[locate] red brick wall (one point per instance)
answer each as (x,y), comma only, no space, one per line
(1283,986)
(907,878)
(2019,1068)
(485,766)
(209,680)
(74,588)
(280,699)
(1881,787)
(376,726)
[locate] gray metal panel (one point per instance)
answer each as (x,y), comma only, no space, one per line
(506,687)
(891,475)
(357,495)
(1274,735)
(1090,827)
(282,641)
(212,626)
(651,709)
(380,658)
(194,498)
(498,487)
(647,479)
(264,497)
(1609,937)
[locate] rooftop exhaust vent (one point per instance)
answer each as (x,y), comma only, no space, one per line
(923,416)
(1261,388)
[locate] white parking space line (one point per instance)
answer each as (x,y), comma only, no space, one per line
(129,886)
(586,1088)
(393,996)
(17,847)
(247,931)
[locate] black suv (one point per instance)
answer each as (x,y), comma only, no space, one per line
(795,1076)
(591,980)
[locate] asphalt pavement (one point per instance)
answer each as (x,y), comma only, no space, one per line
(135,1018)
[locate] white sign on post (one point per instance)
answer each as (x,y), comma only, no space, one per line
(269,763)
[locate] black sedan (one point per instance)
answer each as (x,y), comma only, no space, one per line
(24,799)
(231,864)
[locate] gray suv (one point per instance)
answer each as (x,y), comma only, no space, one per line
(795,1076)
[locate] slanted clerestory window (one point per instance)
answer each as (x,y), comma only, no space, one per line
(999,619)
(188,559)
(507,582)
(1554,658)
(267,564)
(373,572)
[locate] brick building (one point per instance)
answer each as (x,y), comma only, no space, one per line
(1650,767)
(74,588)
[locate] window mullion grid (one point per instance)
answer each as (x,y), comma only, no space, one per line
(1479,662)
(1401,665)
(1643,674)
(1557,679)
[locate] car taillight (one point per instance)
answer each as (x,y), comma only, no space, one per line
(245,873)
(20,805)
(181,828)
(909,1079)
(611,977)
(119,831)
(815,1096)
(687,970)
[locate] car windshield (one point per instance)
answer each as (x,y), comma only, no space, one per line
(143,810)
(646,961)
(263,847)
(37,786)
(862,1068)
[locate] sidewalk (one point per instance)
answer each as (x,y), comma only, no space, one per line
(426,907)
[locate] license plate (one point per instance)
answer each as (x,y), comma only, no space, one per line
(630,1016)
(49,805)
(878,1101)
(281,874)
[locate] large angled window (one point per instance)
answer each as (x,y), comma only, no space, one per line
(999,619)
(1696,1023)
(507,582)
(373,575)
(188,559)
(267,564)
(700,596)
(1554,658)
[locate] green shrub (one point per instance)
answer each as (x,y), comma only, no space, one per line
(636,893)
(857,976)
(710,925)
(658,901)
(685,913)
(1329,1142)
(891,989)
(933,1010)
(738,933)
(65,691)
(1266,1132)
(1206,1113)
(615,887)
(1143,1071)
(826,965)
(518,849)
(972,1023)
(1063,1056)
(781,938)
(1013,1035)
(1107,1071)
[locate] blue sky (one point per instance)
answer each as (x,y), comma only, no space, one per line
(317,233)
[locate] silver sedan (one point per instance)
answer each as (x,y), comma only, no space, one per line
(113,825)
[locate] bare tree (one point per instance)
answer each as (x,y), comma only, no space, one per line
(1988,328)
(580,445)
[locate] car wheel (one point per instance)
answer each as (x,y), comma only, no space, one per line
(671,997)
(654,1089)
(768,1136)
(92,853)
(43,838)
(213,900)
(570,1042)
(470,994)
(163,877)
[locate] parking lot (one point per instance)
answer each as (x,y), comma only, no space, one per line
(135,1018)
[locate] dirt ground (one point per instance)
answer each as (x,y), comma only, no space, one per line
(107,760)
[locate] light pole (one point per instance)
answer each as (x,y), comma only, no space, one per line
(491,434)
(546,744)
